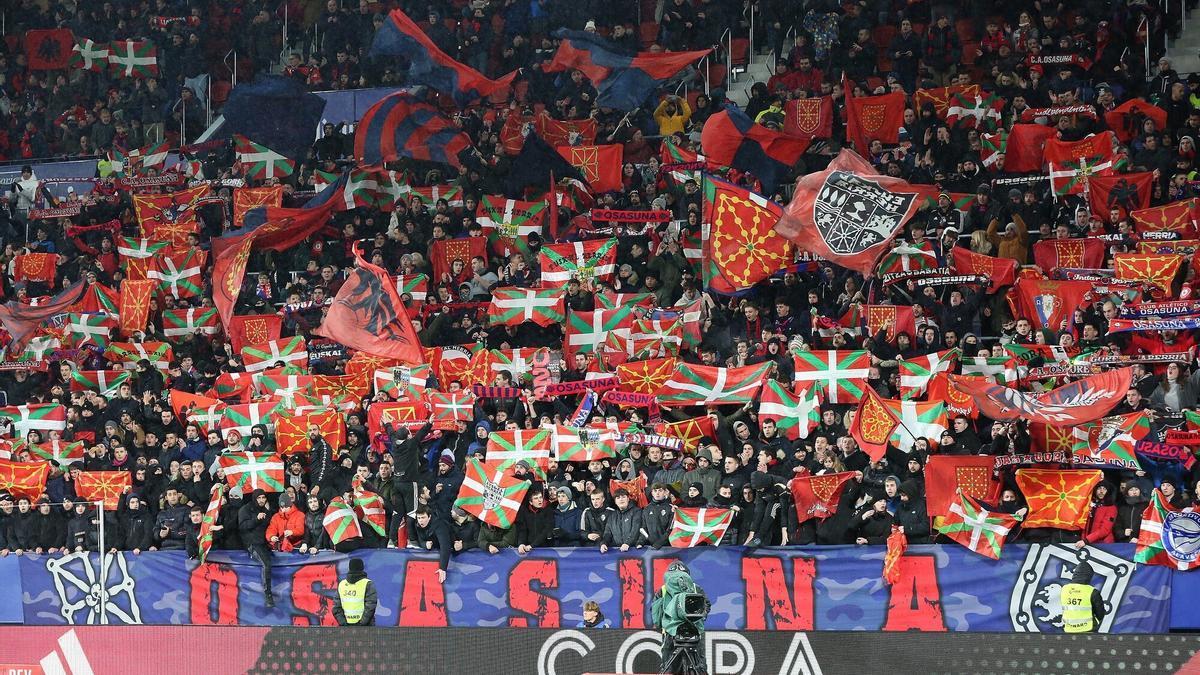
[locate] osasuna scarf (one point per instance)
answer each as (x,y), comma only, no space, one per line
(1166,451)
(954,280)
(582,386)
(1129,325)
(629,398)
(1146,310)
(483,391)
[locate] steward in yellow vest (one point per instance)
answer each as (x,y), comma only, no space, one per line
(357,599)
(1082,606)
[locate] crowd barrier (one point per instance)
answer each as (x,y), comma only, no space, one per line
(941,588)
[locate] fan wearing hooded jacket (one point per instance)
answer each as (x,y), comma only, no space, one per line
(253,519)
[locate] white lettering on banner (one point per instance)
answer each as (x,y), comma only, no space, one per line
(728,652)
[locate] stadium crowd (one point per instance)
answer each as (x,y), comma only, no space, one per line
(746,462)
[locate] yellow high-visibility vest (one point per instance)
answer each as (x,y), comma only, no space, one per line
(354,599)
(1076,602)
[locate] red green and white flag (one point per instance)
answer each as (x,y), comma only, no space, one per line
(587,332)
(94,329)
(509,222)
(1111,440)
(614,300)
(40,348)
(840,374)
(341,522)
(208,417)
(180,273)
(416,286)
(512,306)
(59,452)
(400,381)
(1168,535)
(180,325)
(973,526)
(89,55)
(370,509)
(490,494)
(692,316)
(707,385)
(103,381)
(363,190)
(132,58)
(975,112)
(429,196)
(253,470)
(283,386)
(1073,163)
(992,148)
(138,254)
(572,444)
(154,156)
(999,369)
(586,261)
(916,372)
(159,354)
(506,448)
(906,257)
(211,515)
(289,351)
(697,527)
(242,417)
(233,385)
(517,362)
(918,419)
(449,408)
(795,416)
(259,161)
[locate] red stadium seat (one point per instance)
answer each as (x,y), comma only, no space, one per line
(649,33)
(965,29)
(220,92)
(882,36)
(740,51)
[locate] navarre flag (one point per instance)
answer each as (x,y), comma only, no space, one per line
(916,372)
(246,198)
(809,117)
(490,494)
(24,479)
(891,320)
(509,222)
(1150,268)
(708,385)
(445,253)
(408,413)
(622,82)
(871,118)
(795,416)
(506,448)
(35,267)
(1072,164)
(367,314)
(840,374)
(512,306)
(1058,498)
(400,125)
(252,470)
(89,55)
(941,97)
(599,164)
(346,387)
(170,217)
(132,58)
(260,162)
(289,351)
(691,431)
(1074,403)
(586,261)
(699,526)
(291,431)
(253,329)
(873,425)
(134,310)
(1051,254)
(970,524)
(945,475)
(741,246)
(1179,216)
(1126,192)
(645,376)
(400,37)
(1168,535)
(818,496)
(1001,271)
(733,139)
(340,521)
(182,324)
(848,214)
(1047,304)
(103,486)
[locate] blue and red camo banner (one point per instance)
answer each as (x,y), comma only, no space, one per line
(817,588)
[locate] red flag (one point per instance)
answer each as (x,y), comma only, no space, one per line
(873,425)
(740,247)
(1026,143)
(24,479)
(1158,270)
(1001,271)
(1047,304)
(957,403)
(848,214)
(255,329)
(1127,192)
(135,305)
(368,314)
(49,49)
(942,97)
(897,544)
(1058,498)
(1074,403)
(245,199)
(599,164)
(1177,216)
(1126,119)
(1051,254)
(106,486)
(21,320)
(445,253)
(35,267)
(809,117)
(946,474)
(818,496)
(872,118)
(901,318)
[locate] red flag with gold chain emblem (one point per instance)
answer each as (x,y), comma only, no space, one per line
(740,245)
(873,425)
(106,486)
(946,474)
(1001,271)
(170,217)
(254,329)
(897,544)
(245,199)
(1179,216)
(599,164)
(1158,270)
(353,386)
(942,97)
(690,431)
(135,304)
(897,319)
(809,117)
(443,254)
(35,267)
(1058,498)
(291,432)
(363,363)
(645,377)
(24,479)
(1051,438)
(1051,254)
(818,496)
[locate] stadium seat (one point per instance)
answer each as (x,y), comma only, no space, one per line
(969,54)
(965,28)
(882,35)
(220,92)
(740,51)
(649,33)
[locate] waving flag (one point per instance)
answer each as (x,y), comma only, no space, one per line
(133,58)
(89,55)
(21,320)
(980,530)
(586,261)
(818,496)
(691,431)
(1168,535)
(103,381)
(272,109)
(211,515)
(179,274)
(509,222)
(599,164)
(253,471)
(242,417)
(94,329)
(278,383)
(741,246)
(1073,403)
(1051,254)
(1058,498)
(59,452)
(732,139)
(945,475)
(137,255)
(246,198)
(1000,369)
(290,351)
(371,510)
(260,161)
(134,308)
(917,419)
(808,117)
(491,495)
(105,486)
(1047,304)
(1178,216)
(848,214)
(253,329)
(399,381)
(707,385)
(1156,270)
(506,448)
(993,148)
(870,118)
(400,37)
(975,112)
(622,82)
(572,444)
(170,217)
(695,527)
(400,125)
(1001,271)
(340,521)
(873,425)
(512,306)
(645,376)
(840,374)
(916,372)
(24,479)
(1072,164)
(646,338)
(586,332)
(367,314)
(35,267)
(1126,119)
(1111,441)
(795,416)
(182,324)
(415,286)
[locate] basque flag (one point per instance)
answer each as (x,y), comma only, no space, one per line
(402,126)
(430,66)
(622,82)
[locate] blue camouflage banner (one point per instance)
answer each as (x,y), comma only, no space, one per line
(941,588)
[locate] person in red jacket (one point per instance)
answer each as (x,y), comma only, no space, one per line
(286,529)
(1101,516)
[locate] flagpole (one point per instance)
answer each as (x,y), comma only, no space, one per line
(100,540)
